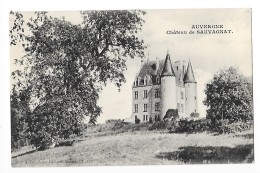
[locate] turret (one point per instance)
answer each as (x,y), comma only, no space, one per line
(190,91)
(168,87)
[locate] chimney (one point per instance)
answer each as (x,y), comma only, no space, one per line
(157,63)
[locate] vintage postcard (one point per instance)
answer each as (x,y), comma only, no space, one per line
(131,87)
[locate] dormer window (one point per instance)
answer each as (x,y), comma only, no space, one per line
(157,80)
(139,81)
(145,80)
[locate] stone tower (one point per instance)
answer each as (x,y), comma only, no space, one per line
(190,91)
(168,87)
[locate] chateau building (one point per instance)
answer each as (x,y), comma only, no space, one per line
(161,86)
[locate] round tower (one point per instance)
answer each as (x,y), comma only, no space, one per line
(168,87)
(190,92)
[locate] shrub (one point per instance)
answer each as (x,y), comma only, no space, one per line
(194,115)
(150,120)
(191,126)
(114,121)
(162,125)
(171,114)
(137,121)
(226,126)
(205,125)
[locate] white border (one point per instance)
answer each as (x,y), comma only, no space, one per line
(62,5)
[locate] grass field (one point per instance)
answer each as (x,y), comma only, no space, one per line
(143,148)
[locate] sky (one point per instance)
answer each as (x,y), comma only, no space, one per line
(207,53)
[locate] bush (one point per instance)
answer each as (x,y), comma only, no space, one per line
(171,114)
(137,121)
(194,115)
(150,120)
(206,125)
(114,121)
(162,125)
(226,126)
(191,126)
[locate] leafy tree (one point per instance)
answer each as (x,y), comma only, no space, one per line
(69,65)
(16,31)
(19,109)
(229,96)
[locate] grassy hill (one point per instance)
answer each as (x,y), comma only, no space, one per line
(110,145)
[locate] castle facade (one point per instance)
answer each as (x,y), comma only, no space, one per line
(161,86)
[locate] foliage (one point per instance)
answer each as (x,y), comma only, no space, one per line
(205,125)
(223,126)
(194,115)
(16,31)
(192,126)
(171,114)
(162,125)
(229,96)
(19,99)
(68,65)
(150,120)
(137,121)
(114,121)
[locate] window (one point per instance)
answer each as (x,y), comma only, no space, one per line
(182,110)
(195,97)
(145,81)
(146,117)
(135,118)
(157,93)
(136,94)
(178,107)
(182,95)
(145,107)
(157,106)
(158,80)
(143,117)
(136,108)
(145,94)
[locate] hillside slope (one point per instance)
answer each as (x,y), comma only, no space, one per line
(145,148)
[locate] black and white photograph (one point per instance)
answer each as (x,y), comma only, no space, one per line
(131,87)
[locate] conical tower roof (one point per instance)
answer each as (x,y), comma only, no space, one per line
(167,68)
(189,76)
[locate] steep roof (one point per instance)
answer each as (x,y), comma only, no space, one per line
(167,68)
(189,76)
(149,69)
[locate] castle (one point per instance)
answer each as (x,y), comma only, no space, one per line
(160,86)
